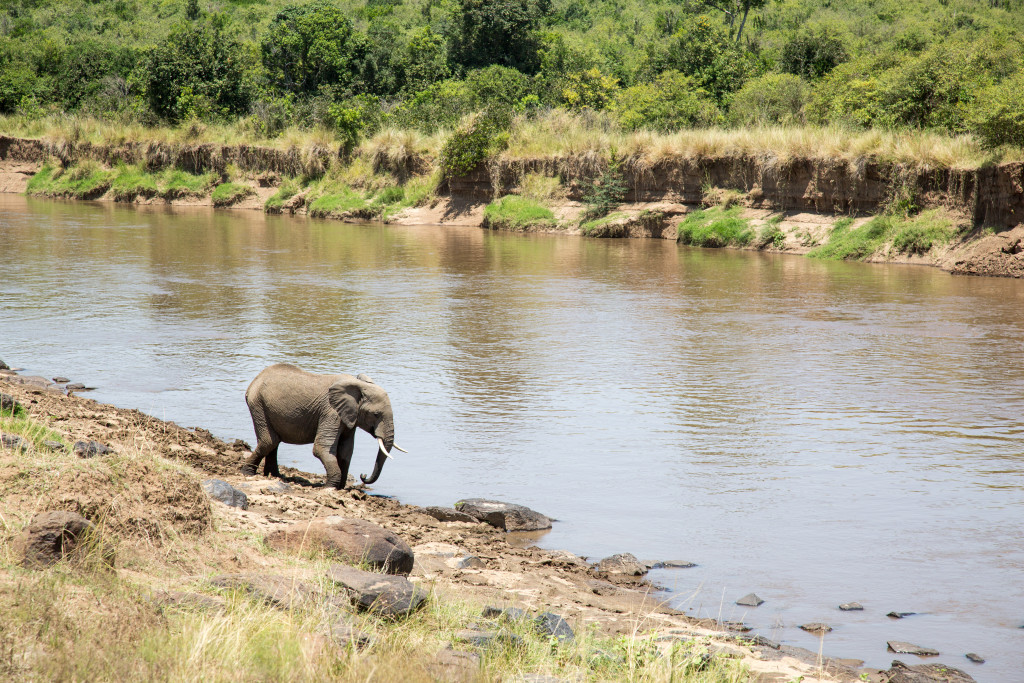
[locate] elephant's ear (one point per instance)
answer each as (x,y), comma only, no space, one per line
(364,378)
(344,403)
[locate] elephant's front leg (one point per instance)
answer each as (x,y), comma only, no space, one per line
(343,454)
(325,446)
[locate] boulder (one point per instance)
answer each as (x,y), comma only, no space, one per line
(350,540)
(504,613)
(15,443)
(976,658)
(904,648)
(736,626)
(55,445)
(4,366)
(622,563)
(90,449)
(10,404)
(443,514)
(223,492)
(52,536)
(507,516)
(750,600)
(381,593)
(278,591)
(851,606)
(61,380)
(816,628)
(76,386)
(553,625)
(925,673)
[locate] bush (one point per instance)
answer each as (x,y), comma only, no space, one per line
(605,192)
(998,116)
(308,46)
(588,89)
(485,32)
(772,99)
(673,101)
(703,49)
(471,144)
(813,52)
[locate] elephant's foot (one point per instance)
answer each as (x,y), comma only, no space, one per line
(335,482)
(248,470)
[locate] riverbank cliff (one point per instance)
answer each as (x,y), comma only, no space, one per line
(963,220)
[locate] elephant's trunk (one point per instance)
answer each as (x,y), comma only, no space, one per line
(385,431)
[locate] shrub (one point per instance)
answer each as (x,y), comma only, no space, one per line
(998,116)
(588,89)
(308,46)
(605,192)
(671,102)
(485,32)
(471,144)
(813,52)
(772,99)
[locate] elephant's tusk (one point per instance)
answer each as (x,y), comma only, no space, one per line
(380,442)
(395,445)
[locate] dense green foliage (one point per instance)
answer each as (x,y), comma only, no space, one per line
(355,66)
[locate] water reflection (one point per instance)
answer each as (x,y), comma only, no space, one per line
(818,432)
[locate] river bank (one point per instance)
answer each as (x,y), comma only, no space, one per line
(168,548)
(962,220)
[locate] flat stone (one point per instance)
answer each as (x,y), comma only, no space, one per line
(900,615)
(76,386)
(55,445)
(851,606)
(553,625)
(507,516)
(346,635)
(599,587)
(356,541)
(15,443)
(750,600)
(673,564)
(504,613)
(9,403)
(925,673)
(223,492)
(976,658)
(90,449)
(816,627)
(61,380)
(278,591)
(52,536)
(474,637)
(622,563)
(381,593)
(736,626)
(904,648)
(443,514)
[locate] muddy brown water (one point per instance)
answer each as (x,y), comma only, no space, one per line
(817,433)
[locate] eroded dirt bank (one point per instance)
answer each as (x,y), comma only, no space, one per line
(147,505)
(803,199)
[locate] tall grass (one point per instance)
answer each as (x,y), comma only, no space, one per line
(716,227)
(907,235)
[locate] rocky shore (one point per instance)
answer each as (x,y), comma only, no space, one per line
(148,527)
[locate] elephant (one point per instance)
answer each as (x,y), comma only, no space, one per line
(294,406)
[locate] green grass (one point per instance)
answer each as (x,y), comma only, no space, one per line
(175,183)
(19,423)
(597,227)
(288,189)
(771,235)
(227,194)
(87,180)
(716,227)
(513,212)
(130,182)
(911,235)
(337,200)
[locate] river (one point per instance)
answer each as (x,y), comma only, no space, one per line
(815,432)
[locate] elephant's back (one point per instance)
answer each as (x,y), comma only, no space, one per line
(286,380)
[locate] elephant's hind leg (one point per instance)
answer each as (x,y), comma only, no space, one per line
(266,444)
(325,448)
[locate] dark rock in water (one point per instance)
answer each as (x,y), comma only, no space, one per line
(4,366)
(90,449)
(736,626)
(816,628)
(15,443)
(443,514)
(622,563)
(976,658)
(77,386)
(52,536)
(221,491)
(851,606)
(925,673)
(900,615)
(903,648)
(765,642)
(381,593)
(673,564)
(551,624)
(506,614)
(284,592)
(351,540)
(61,380)
(9,403)
(507,516)
(55,445)
(750,600)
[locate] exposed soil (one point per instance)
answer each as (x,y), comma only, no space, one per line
(146,503)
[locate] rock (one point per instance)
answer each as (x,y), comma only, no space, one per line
(505,614)
(9,403)
(351,540)
(76,386)
(599,587)
(4,366)
(567,558)
(186,600)
(438,557)
(507,516)
(55,445)
(443,514)
(750,600)
(925,673)
(851,606)
(977,659)
(15,443)
(672,564)
(816,628)
(381,593)
(903,648)
(622,563)
(346,635)
(736,626)
(52,536)
(90,449)
(221,491)
(553,625)
(474,637)
(61,380)
(279,591)
(455,666)
(900,615)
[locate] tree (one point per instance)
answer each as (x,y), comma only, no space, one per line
(813,52)
(311,45)
(734,9)
(504,32)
